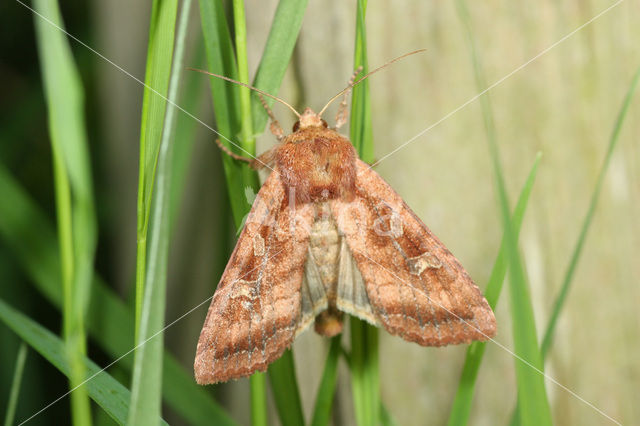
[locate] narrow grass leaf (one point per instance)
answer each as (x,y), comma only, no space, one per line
(361,128)
(283,35)
(558,304)
(185,133)
(365,383)
(386,419)
(284,386)
(146,388)
(575,256)
(15,384)
(461,407)
(257,388)
(273,64)
(233,117)
(327,388)
(248,143)
(77,231)
(532,394)
(226,104)
(106,391)
(159,54)
(29,235)
(362,407)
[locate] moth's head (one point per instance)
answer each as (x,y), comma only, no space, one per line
(308,119)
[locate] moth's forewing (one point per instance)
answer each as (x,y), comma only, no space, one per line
(417,289)
(255,310)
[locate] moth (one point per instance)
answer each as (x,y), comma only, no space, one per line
(327,236)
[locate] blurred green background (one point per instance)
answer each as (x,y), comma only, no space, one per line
(563,104)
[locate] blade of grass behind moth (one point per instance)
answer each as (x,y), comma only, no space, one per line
(185,133)
(547,340)
(146,381)
(273,64)
(106,391)
(461,408)
(247,139)
(258,380)
(361,129)
(364,337)
(15,385)
(277,54)
(284,386)
(386,419)
(31,239)
(327,388)
(77,231)
(159,54)
(575,256)
(532,394)
(226,104)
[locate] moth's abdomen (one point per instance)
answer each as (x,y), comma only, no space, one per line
(324,252)
(324,246)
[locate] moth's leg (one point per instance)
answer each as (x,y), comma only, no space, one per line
(232,154)
(274,126)
(343,112)
(255,163)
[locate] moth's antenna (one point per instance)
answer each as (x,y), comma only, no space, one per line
(249,86)
(349,87)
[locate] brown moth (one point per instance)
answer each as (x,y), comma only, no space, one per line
(327,235)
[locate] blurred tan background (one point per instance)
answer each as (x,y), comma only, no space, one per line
(564,104)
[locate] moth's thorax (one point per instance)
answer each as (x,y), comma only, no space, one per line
(317,164)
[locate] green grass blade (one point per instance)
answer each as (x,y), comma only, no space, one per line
(558,304)
(159,54)
(356,363)
(575,256)
(327,388)
(386,419)
(15,385)
(273,64)
(365,383)
(146,388)
(229,104)
(106,391)
(193,401)
(247,141)
(361,129)
(461,407)
(277,52)
(284,386)
(531,387)
(530,381)
(257,387)
(226,104)
(246,123)
(73,185)
(231,117)
(29,235)
(185,133)
(365,380)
